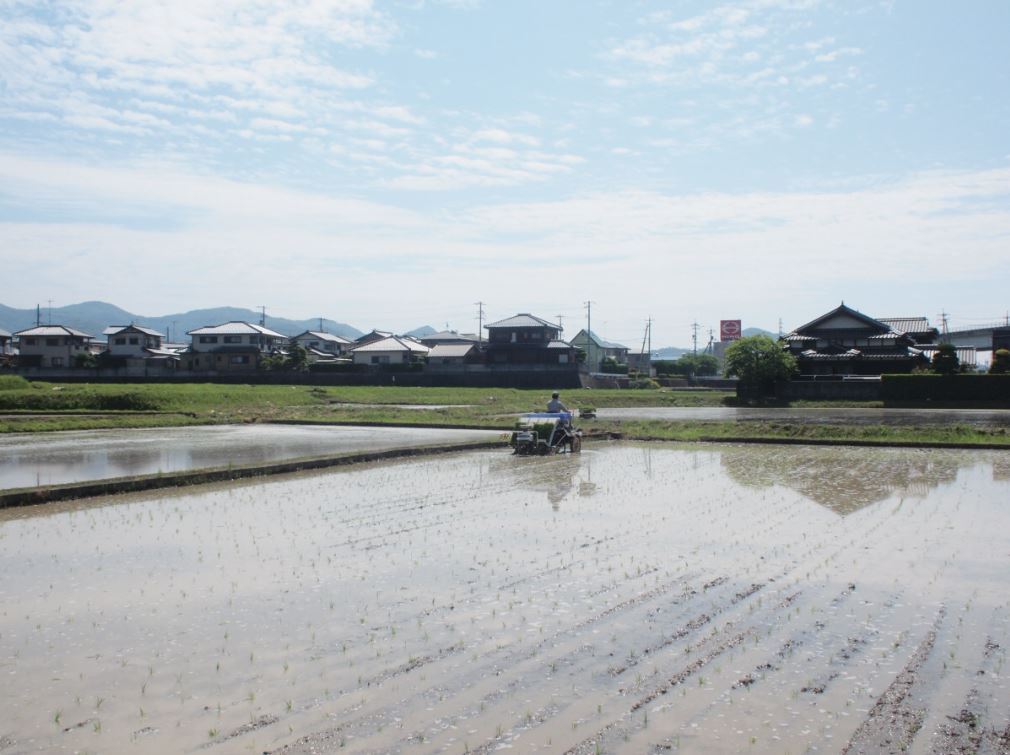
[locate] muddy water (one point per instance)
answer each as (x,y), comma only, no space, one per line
(994,418)
(52,458)
(636,598)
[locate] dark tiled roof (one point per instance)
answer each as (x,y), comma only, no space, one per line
(524,320)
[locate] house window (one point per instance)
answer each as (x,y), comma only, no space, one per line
(233,339)
(29,341)
(208,339)
(57,361)
(134,341)
(52,342)
(514,337)
(240,359)
(562,359)
(120,341)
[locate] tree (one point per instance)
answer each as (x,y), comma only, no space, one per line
(85,360)
(298,358)
(1000,362)
(945,361)
(697,364)
(759,362)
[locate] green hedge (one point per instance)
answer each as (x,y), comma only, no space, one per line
(945,387)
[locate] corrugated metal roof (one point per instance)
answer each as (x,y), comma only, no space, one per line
(965,354)
(234,328)
(524,320)
(599,341)
(52,330)
(559,345)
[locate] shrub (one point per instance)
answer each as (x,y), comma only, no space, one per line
(13,383)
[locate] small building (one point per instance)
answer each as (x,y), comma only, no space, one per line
(845,341)
(51,346)
(597,349)
(390,350)
(322,345)
(132,341)
(527,340)
(6,343)
(447,355)
(232,347)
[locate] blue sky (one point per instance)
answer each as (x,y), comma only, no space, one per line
(388,164)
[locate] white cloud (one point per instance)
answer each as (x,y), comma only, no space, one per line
(797,245)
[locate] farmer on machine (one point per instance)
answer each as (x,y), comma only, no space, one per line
(555,405)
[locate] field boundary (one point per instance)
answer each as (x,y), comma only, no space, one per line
(75,490)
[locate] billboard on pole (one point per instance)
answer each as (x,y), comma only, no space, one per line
(730,330)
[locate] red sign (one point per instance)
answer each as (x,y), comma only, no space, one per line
(729,330)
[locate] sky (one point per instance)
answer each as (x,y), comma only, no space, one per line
(391,164)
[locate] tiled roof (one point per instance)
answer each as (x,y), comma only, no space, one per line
(234,328)
(451,350)
(393,343)
(320,335)
(52,330)
(114,329)
(907,324)
(524,320)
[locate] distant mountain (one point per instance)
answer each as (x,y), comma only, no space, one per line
(95,316)
(424,330)
(760,332)
(669,352)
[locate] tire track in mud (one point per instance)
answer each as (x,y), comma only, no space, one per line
(893,722)
(971,730)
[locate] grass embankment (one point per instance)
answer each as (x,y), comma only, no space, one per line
(956,436)
(36,407)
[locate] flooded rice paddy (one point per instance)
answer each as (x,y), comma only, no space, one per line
(634,598)
(28,460)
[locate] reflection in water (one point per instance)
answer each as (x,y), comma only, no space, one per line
(844,479)
(557,476)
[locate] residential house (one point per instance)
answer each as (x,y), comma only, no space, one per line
(6,349)
(51,346)
(138,349)
(322,345)
(597,349)
(527,340)
(390,350)
(231,347)
(132,341)
(845,341)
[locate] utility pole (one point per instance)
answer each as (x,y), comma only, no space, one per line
(480,322)
(943,322)
(561,320)
(320,324)
(38,315)
(711,340)
(694,337)
(50,311)
(589,332)
(780,327)
(263,315)
(646,339)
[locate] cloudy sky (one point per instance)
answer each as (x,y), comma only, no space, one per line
(390,163)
